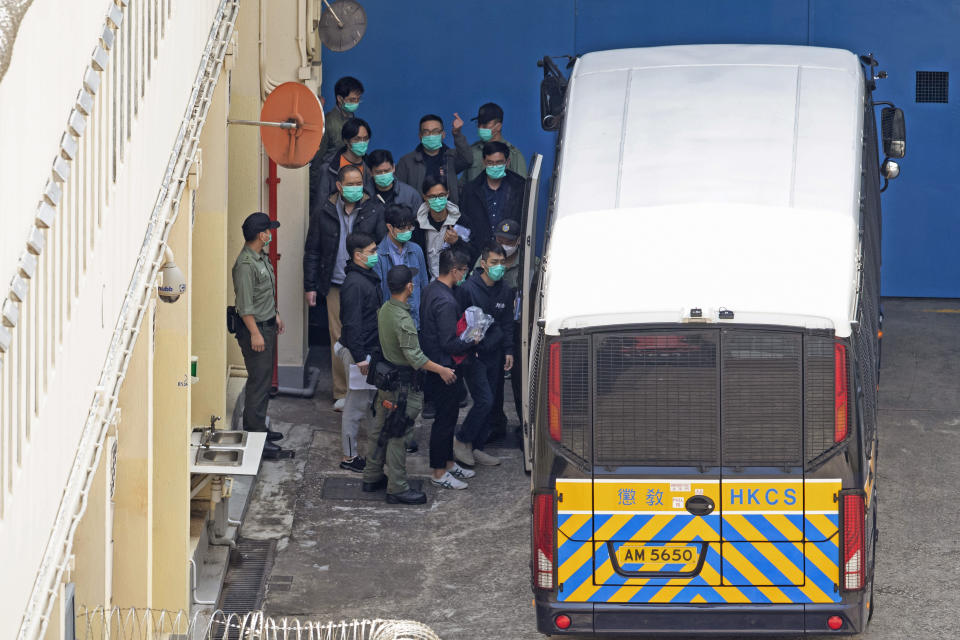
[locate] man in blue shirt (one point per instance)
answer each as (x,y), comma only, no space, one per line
(396,248)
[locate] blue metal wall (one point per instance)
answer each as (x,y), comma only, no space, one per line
(443,56)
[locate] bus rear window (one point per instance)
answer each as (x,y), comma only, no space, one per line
(697,397)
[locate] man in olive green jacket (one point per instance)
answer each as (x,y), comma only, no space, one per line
(401,348)
(490,129)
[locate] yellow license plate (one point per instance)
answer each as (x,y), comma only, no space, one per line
(652,554)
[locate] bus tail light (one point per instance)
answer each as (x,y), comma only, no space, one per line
(841,384)
(543,541)
(853,575)
(553,392)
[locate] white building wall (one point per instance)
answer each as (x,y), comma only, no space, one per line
(74,300)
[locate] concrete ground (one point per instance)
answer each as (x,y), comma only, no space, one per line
(460,563)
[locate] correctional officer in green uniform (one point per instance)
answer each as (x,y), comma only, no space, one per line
(254,283)
(401,348)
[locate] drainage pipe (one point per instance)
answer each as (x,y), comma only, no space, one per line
(305,392)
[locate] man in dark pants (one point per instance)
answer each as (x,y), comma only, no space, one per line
(387,466)
(359,344)
(439,313)
(325,256)
(485,289)
(253,285)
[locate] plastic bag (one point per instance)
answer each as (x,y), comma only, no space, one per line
(477,324)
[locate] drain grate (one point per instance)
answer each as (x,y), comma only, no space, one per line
(243,587)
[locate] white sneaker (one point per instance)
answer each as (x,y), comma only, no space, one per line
(460,473)
(462,453)
(339,404)
(447,481)
(484,458)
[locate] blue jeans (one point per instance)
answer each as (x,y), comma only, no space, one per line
(481,377)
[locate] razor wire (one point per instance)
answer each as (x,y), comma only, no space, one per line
(149,624)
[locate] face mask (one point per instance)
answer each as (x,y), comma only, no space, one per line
(350,107)
(359,148)
(507,249)
(461,280)
(438,204)
(404,236)
(269,239)
(433,142)
(372,260)
(352,194)
(496,272)
(384,179)
(496,171)
(485,134)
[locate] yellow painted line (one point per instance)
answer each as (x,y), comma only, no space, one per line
(823,525)
(751,573)
(784,526)
(823,562)
(941,310)
(585,554)
(572,525)
(769,550)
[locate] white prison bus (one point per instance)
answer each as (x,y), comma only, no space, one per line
(702,342)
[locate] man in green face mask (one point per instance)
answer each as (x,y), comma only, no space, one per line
(493,196)
(433,158)
(389,189)
(356,135)
(490,129)
(398,247)
(485,289)
(349,209)
(348,92)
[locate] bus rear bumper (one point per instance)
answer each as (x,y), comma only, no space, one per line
(658,620)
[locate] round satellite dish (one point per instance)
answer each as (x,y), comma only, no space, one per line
(342,25)
(296,106)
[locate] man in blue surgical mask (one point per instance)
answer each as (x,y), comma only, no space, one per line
(434,158)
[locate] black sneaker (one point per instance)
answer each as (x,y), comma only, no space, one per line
(413,447)
(407,497)
(356,464)
(429,411)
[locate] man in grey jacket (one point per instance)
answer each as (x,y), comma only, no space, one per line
(433,157)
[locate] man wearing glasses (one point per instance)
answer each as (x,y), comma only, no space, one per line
(493,196)
(434,158)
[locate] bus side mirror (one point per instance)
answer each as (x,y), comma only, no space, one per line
(553,88)
(894,130)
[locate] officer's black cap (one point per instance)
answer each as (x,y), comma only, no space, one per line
(257,222)
(509,229)
(399,276)
(488,112)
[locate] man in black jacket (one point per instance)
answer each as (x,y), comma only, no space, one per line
(439,339)
(356,140)
(325,252)
(360,299)
(485,289)
(493,196)
(434,158)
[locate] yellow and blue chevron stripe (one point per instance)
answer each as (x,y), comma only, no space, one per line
(769,541)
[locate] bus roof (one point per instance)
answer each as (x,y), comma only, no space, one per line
(713,176)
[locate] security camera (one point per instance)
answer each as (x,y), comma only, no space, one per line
(172,283)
